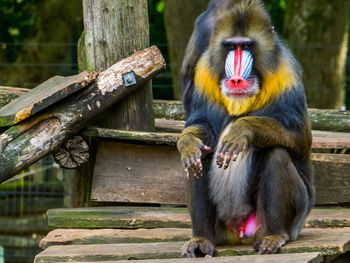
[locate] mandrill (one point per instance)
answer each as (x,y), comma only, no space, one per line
(247,140)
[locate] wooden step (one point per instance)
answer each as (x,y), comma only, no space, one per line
(164,217)
(113,236)
(278,258)
(329,242)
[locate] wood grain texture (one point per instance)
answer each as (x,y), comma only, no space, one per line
(138,173)
(277,258)
(329,242)
(154,174)
(113,236)
(27,142)
(115,29)
(331,174)
(165,217)
(321,139)
(44,95)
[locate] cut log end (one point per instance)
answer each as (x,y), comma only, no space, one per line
(73,153)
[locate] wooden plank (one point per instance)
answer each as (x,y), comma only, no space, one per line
(44,95)
(154,174)
(321,139)
(277,258)
(113,236)
(128,217)
(131,217)
(331,173)
(138,173)
(330,242)
(330,140)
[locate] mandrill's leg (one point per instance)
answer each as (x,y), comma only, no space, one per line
(202,216)
(283,201)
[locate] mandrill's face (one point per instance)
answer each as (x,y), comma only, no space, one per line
(242,49)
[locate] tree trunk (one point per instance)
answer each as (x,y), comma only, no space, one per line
(114,29)
(317,32)
(179,18)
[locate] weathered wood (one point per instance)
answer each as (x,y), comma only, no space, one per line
(332,178)
(7,94)
(324,120)
(119,217)
(34,138)
(330,140)
(73,153)
(154,174)
(114,29)
(44,95)
(164,217)
(139,174)
(113,236)
(133,136)
(321,139)
(314,257)
(330,242)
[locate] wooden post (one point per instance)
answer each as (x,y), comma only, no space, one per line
(114,29)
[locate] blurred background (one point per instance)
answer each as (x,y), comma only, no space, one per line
(39,39)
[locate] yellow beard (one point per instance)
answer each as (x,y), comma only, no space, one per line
(272,85)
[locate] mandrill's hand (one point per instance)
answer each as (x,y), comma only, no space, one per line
(190,148)
(234,140)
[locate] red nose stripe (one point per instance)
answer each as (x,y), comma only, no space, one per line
(238,61)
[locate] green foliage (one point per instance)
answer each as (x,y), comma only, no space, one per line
(17,19)
(276,9)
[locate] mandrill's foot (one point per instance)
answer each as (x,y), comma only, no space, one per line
(197,247)
(270,244)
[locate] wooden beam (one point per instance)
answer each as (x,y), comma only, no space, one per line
(330,242)
(321,139)
(164,217)
(27,142)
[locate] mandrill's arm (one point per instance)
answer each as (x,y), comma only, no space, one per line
(261,132)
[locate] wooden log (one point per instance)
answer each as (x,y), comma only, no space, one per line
(73,153)
(329,242)
(324,120)
(164,217)
(113,236)
(54,127)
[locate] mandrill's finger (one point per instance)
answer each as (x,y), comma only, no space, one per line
(220,159)
(206,148)
(228,160)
